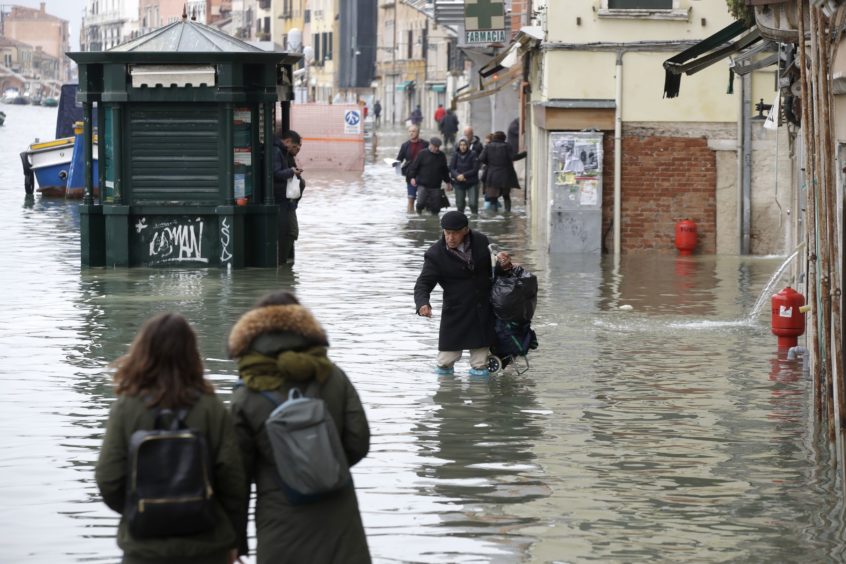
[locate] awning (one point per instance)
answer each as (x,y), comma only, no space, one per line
(406,85)
(749,60)
(437,87)
(489,86)
(527,38)
(167,76)
(706,53)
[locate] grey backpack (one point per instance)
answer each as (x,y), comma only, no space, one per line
(309,457)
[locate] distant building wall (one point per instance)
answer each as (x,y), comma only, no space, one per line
(357,48)
(40,29)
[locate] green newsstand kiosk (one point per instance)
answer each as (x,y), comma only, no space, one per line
(184,114)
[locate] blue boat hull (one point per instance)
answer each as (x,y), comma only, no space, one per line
(53,162)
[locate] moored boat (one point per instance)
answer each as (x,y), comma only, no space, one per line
(59,163)
(53,163)
(50,162)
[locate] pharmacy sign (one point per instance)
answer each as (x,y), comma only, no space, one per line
(484,21)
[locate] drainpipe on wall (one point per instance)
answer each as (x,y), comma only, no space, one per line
(618,152)
(745,207)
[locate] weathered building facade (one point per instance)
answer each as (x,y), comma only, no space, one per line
(664,159)
(41,30)
(323,32)
(415,61)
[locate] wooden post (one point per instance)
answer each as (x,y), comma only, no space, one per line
(810,218)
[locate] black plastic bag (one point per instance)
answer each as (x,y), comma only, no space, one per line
(515,295)
(444,199)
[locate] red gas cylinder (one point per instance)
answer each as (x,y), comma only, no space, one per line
(787,321)
(685,237)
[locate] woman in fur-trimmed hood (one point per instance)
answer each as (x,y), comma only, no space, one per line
(280,345)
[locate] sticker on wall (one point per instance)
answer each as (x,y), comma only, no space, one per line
(589,193)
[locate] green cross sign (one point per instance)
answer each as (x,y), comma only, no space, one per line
(484,15)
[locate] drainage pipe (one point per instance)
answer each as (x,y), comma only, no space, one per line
(746,170)
(618,152)
(793,352)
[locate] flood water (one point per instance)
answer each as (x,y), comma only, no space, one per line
(669,432)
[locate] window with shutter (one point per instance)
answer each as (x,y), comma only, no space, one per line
(640,4)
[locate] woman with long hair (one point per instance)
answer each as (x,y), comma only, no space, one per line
(161,374)
(279,345)
(500,175)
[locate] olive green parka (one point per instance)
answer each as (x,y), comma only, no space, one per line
(209,416)
(293,344)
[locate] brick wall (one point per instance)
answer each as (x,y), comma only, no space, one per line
(518,15)
(665,180)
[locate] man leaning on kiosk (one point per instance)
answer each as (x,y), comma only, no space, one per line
(286,146)
(461,263)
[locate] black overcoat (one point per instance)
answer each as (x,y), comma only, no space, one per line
(499,157)
(467,319)
(430,169)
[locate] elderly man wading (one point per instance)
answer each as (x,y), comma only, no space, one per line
(460,262)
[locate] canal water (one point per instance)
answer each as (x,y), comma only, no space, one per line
(670,431)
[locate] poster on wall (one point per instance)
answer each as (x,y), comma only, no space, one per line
(576,175)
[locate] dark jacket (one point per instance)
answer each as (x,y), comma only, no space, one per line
(498,158)
(326,531)
(466,164)
(208,415)
(416,116)
(283,169)
(476,145)
(408,152)
(512,137)
(449,125)
(467,318)
(429,169)
(377,109)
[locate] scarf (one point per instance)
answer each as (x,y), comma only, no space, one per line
(263,373)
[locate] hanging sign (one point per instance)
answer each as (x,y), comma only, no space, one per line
(484,21)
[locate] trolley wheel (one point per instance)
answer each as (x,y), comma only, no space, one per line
(494,364)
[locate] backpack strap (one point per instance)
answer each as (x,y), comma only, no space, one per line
(273,397)
(177,420)
(313,389)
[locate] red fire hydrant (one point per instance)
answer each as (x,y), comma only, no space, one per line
(788,322)
(685,237)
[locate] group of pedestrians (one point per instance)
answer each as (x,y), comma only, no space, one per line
(281,350)
(472,169)
(279,346)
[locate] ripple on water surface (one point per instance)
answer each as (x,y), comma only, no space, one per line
(670,430)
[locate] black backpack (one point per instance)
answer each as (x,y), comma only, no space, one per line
(169,490)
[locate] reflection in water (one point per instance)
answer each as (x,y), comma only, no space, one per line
(670,432)
(477,442)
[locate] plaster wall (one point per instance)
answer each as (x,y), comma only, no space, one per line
(582,21)
(772,191)
(591,75)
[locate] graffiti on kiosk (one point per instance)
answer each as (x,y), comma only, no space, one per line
(225,251)
(177,241)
